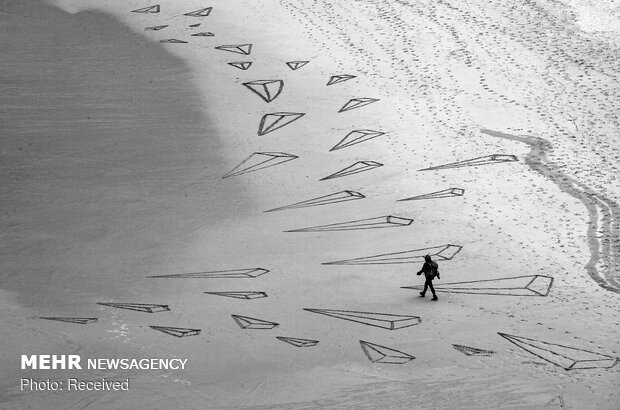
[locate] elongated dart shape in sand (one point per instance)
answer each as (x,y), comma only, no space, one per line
(268,90)
(360,166)
(370,223)
(356,137)
(357,103)
(442,252)
(298,342)
(148,10)
(236,48)
(220,274)
(260,160)
(138,307)
(76,320)
(342,196)
(530,285)
(445,193)
(296,65)
(155,28)
(486,160)
(245,322)
(200,13)
(383,320)
(277,120)
(247,295)
(241,65)
(335,79)
(385,355)
(177,331)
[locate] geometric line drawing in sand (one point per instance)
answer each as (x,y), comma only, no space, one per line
(556,402)
(568,358)
(172,41)
(200,13)
(240,294)
(357,103)
(236,48)
(370,223)
(245,322)
(195,25)
(76,320)
(268,90)
(335,79)
(342,196)
(381,354)
(383,320)
(442,252)
(445,193)
(155,28)
(603,211)
(276,120)
(355,137)
(139,307)
(241,65)
(203,34)
(360,166)
(295,65)
(220,274)
(258,161)
(486,160)
(177,331)
(472,351)
(530,285)
(298,342)
(150,9)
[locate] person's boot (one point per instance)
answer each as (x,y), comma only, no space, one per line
(435,297)
(422,294)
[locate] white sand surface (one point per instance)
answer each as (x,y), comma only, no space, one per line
(454,82)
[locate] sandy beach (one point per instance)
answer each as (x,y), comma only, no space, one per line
(264,179)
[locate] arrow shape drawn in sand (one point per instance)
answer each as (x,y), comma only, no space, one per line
(236,48)
(195,25)
(383,320)
(200,13)
(486,160)
(138,307)
(356,137)
(442,252)
(297,342)
(245,322)
(176,331)
(148,10)
(268,90)
(203,34)
(445,193)
(530,285)
(335,79)
(220,274)
(357,103)
(258,161)
(277,120)
(241,65)
(296,65)
(172,41)
(342,196)
(75,320)
(386,355)
(568,358)
(155,28)
(359,166)
(247,295)
(370,223)
(472,351)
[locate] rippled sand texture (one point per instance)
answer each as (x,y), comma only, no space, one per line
(524,67)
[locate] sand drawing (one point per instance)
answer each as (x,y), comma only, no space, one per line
(442,252)
(220,274)
(296,65)
(381,354)
(241,65)
(172,41)
(200,13)
(472,351)
(530,285)
(568,358)
(355,137)
(335,79)
(277,120)
(359,166)
(236,48)
(445,193)
(383,320)
(268,90)
(149,9)
(474,162)
(370,223)
(203,34)
(245,322)
(258,161)
(155,28)
(247,295)
(138,307)
(76,320)
(335,198)
(556,402)
(298,342)
(177,331)
(357,103)
(195,25)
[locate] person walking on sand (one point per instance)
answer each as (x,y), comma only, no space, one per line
(430,270)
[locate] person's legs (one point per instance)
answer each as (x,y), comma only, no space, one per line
(430,285)
(425,288)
